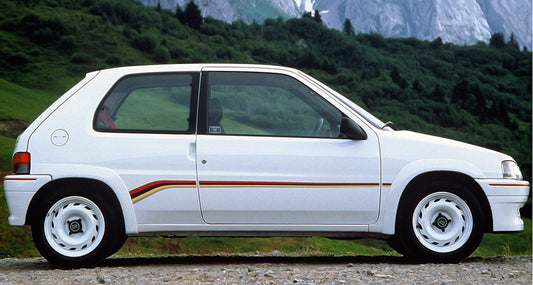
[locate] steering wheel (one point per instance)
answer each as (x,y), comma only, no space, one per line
(318,126)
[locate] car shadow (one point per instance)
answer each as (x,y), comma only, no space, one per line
(121,261)
(255,259)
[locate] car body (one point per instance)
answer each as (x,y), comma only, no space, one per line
(245,150)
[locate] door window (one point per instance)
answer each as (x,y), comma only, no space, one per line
(241,103)
(149,103)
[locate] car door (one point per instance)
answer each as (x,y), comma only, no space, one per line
(145,131)
(270,151)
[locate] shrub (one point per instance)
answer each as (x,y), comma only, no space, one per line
(224,52)
(44,36)
(114,60)
(80,58)
(161,55)
(178,52)
(19,58)
(67,43)
(144,43)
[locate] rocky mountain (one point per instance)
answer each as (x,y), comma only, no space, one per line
(457,21)
(509,16)
(233,10)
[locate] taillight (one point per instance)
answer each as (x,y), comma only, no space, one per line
(21,163)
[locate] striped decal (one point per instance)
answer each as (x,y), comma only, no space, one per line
(20,179)
(507,185)
(146,190)
(271,184)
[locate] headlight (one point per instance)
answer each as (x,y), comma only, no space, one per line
(511,170)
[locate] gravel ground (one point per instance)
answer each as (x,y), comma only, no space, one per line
(273,269)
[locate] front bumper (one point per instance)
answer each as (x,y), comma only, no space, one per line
(20,189)
(506,197)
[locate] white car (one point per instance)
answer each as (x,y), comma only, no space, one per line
(245,150)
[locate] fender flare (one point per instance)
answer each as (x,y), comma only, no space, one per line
(106,176)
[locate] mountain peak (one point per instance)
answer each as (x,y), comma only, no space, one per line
(457,21)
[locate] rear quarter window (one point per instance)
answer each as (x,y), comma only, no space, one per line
(149,103)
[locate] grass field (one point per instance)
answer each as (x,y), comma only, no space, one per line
(30,103)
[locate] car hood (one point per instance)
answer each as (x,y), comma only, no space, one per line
(401,149)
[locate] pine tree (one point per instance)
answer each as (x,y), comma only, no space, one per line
(438,94)
(395,76)
(348,28)
(180,14)
(497,40)
(460,91)
(504,115)
(317,17)
(193,16)
(513,43)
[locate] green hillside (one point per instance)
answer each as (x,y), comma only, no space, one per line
(479,94)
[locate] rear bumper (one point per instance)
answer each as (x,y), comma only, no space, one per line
(505,197)
(20,189)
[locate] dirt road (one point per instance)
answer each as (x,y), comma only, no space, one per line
(273,269)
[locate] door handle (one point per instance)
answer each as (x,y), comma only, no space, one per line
(191,153)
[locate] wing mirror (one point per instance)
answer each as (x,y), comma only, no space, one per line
(351,130)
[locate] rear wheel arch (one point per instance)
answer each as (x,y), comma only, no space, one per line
(76,222)
(66,184)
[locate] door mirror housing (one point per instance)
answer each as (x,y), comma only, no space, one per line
(351,130)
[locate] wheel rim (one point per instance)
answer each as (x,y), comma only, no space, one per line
(74,226)
(442,222)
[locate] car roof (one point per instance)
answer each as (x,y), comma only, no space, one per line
(196,67)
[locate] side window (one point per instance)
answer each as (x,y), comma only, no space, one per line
(149,103)
(241,103)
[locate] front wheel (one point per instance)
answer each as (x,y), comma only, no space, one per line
(72,230)
(445,223)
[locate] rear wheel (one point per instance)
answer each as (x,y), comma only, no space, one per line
(74,230)
(441,222)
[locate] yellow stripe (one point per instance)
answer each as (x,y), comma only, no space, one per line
(157,189)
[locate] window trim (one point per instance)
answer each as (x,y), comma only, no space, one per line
(193,114)
(202,112)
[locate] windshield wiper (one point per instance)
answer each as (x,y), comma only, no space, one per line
(391,125)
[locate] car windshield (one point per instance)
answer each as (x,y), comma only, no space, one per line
(366,115)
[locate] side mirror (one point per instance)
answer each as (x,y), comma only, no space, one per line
(352,130)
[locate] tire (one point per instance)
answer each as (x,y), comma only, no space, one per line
(395,243)
(441,222)
(77,230)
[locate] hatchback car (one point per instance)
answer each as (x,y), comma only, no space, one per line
(245,150)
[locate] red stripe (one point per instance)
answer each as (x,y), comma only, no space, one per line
(285,183)
(505,185)
(21,179)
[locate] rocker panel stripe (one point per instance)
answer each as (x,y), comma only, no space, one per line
(148,189)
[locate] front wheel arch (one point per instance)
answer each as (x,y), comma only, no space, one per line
(460,191)
(453,177)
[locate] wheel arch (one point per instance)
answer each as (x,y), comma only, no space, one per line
(449,176)
(63,184)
